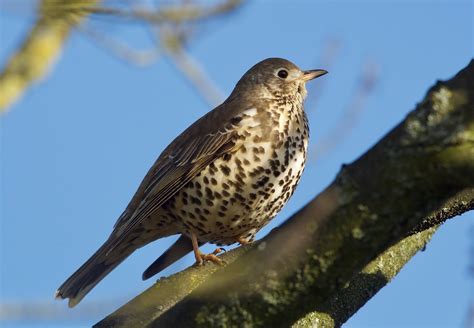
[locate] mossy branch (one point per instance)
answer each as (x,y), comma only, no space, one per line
(328,259)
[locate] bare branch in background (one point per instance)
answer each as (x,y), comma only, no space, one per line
(353,111)
(181,13)
(57,18)
(39,50)
(331,49)
(120,49)
(189,67)
(50,311)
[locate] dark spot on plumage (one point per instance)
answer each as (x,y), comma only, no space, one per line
(276,173)
(195,200)
(213,181)
(205,180)
(239,197)
(199,193)
(209,192)
(212,167)
(225,193)
(221,214)
(238,162)
(185,201)
(287,157)
(223,208)
(208,203)
(191,215)
(235,120)
(206,211)
(256,158)
(225,185)
(246,162)
(218,195)
(225,169)
(226,157)
(239,179)
(252,195)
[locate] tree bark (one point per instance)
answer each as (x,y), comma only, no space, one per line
(333,255)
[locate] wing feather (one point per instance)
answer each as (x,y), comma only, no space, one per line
(171,172)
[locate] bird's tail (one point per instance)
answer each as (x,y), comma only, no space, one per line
(92,272)
(180,248)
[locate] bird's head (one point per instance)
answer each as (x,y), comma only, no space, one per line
(276,78)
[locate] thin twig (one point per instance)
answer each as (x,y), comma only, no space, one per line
(352,113)
(189,67)
(330,52)
(120,49)
(172,13)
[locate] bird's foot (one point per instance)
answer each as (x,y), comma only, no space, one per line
(200,257)
(210,257)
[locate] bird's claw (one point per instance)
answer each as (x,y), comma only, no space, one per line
(211,257)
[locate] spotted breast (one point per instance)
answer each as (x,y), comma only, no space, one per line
(237,194)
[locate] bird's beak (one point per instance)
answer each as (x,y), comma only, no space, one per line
(312,74)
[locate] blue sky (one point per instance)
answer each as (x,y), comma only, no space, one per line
(76,146)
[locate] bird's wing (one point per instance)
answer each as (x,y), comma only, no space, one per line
(179,163)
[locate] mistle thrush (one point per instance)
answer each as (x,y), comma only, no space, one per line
(220,181)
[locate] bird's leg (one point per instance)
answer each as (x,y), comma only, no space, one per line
(200,257)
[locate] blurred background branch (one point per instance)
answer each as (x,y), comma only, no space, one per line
(365,86)
(57,18)
(40,48)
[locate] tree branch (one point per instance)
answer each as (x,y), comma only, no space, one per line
(41,47)
(334,254)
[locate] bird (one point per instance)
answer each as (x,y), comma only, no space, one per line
(220,181)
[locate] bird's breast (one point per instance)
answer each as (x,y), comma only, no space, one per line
(240,192)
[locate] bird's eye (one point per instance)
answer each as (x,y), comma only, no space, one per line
(283,73)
